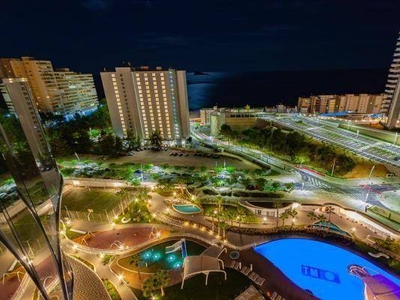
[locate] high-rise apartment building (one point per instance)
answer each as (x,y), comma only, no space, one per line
(304,105)
(6,70)
(29,224)
(40,75)
(62,92)
(77,91)
(352,102)
(391,102)
(362,103)
(142,101)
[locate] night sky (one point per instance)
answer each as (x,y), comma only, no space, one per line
(231,35)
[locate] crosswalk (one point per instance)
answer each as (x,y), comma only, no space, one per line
(311,183)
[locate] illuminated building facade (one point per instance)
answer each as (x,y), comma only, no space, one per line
(29,218)
(391,102)
(143,101)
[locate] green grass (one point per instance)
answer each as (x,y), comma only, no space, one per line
(72,234)
(81,199)
(27,229)
(153,265)
(137,212)
(230,210)
(84,261)
(112,291)
(217,288)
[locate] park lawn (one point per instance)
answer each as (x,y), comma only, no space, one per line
(27,228)
(82,199)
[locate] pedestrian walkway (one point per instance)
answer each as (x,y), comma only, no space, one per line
(87,286)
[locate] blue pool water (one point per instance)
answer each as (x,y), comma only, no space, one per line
(319,267)
(332,227)
(187,208)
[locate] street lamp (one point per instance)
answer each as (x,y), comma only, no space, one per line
(121,278)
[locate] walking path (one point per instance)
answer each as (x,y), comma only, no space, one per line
(102,271)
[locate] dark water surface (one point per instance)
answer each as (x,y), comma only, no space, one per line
(270,88)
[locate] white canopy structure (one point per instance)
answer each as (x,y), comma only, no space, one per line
(193,265)
(214,251)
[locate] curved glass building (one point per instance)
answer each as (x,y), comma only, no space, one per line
(30,195)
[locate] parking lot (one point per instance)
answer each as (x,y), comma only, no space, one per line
(186,159)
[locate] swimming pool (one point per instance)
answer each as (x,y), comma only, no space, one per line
(186,208)
(332,227)
(319,267)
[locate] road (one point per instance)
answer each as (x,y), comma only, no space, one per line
(367,147)
(305,178)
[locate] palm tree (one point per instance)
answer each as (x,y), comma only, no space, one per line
(312,216)
(137,262)
(230,215)
(283,216)
(150,285)
(240,216)
(221,219)
(220,201)
(321,218)
(162,279)
(277,205)
(156,139)
(223,226)
(293,213)
(329,210)
(211,213)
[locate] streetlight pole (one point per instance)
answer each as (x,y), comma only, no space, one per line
(370,173)
(333,166)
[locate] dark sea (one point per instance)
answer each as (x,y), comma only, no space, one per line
(259,89)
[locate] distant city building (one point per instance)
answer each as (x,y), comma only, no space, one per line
(239,118)
(321,104)
(304,105)
(142,101)
(77,91)
(62,92)
(30,223)
(391,103)
(205,114)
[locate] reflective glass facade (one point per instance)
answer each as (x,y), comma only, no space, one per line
(30,195)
